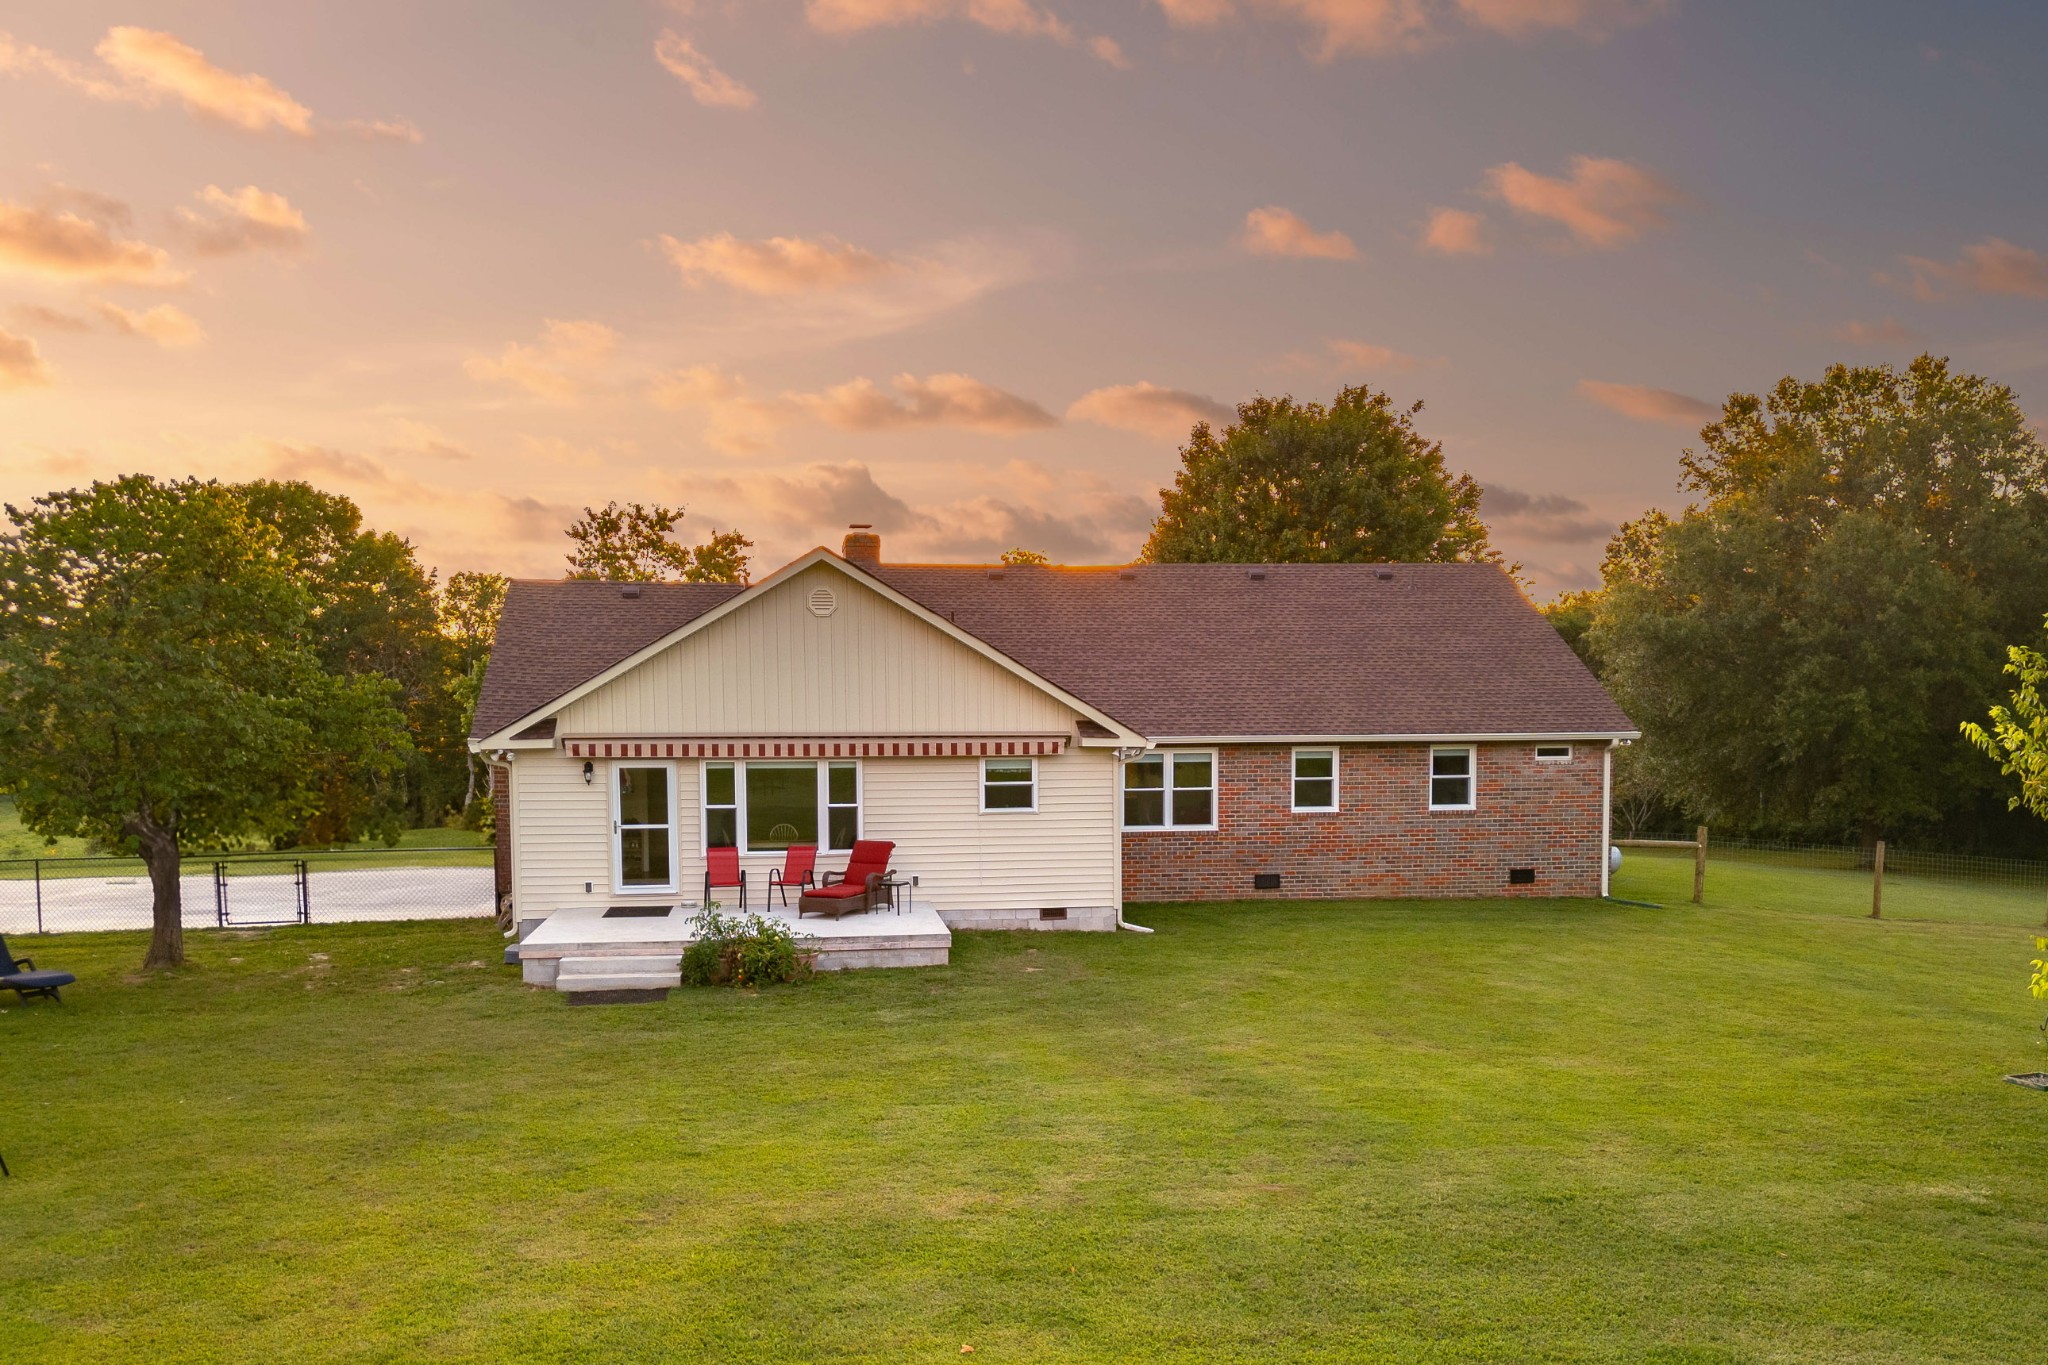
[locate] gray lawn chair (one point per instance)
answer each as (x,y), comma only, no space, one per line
(18,974)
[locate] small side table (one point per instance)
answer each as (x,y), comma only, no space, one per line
(899,891)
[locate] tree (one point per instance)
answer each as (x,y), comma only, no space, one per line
(1023,558)
(633,544)
(1800,647)
(469,607)
(160,679)
(1291,482)
(374,614)
(2018,737)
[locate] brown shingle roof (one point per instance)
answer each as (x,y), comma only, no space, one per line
(1171,650)
(556,634)
(1309,649)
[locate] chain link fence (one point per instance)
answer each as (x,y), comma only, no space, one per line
(1892,882)
(65,895)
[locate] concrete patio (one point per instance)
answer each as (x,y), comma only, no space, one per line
(587,949)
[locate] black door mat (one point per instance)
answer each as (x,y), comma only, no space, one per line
(638,912)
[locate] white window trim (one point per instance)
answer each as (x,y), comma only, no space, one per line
(1564,757)
(1294,779)
(675,871)
(1215,790)
(1471,751)
(987,809)
(739,796)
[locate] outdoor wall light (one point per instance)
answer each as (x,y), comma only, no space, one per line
(589,771)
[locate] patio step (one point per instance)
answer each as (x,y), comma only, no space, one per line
(624,973)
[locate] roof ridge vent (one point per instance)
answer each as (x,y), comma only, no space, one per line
(1257,575)
(1384,573)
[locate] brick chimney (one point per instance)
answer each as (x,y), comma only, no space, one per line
(862,546)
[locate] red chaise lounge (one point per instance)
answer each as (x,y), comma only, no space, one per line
(855,890)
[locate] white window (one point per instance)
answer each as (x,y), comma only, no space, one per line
(644,827)
(1315,779)
(1553,753)
(1451,779)
(1009,784)
(1171,790)
(766,807)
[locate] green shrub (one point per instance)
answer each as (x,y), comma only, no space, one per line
(743,950)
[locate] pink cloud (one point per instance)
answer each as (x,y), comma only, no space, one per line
(1375,27)
(774,266)
(1992,266)
(21,363)
(1603,203)
(1149,409)
(1275,231)
(708,85)
(63,246)
(1646,404)
(1454,232)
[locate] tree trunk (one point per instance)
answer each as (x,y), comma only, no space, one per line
(167,901)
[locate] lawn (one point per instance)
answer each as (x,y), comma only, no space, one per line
(1353,1132)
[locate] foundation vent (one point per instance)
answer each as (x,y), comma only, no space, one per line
(1265,881)
(1060,913)
(1521,876)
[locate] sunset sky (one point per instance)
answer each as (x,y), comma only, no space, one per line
(968,269)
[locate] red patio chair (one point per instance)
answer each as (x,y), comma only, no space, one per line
(722,868)
(853,891)
(797,870)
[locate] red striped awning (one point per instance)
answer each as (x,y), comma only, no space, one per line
(864,746)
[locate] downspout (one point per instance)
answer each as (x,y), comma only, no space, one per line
(1116,796)
(1606,818)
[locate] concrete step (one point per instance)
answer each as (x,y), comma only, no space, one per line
(650,973)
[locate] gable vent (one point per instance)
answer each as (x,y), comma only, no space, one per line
(823,603)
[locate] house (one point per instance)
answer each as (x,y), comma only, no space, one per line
(1046,745)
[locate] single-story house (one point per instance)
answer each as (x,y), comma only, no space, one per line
(1045,745)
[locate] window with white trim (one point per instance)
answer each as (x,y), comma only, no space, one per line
(1173,789)
(1315,779)
(644,827)
(1009,784)
(1553,753)
(1451,778)
(764,807)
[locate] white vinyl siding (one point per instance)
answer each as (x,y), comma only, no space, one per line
(773,667)
(1066,854)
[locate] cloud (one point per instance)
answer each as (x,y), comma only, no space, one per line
(1275,231)
(1884,330)
(247,220)
(740,422)
(1646,404)
(1072,516)
(63,246)
(1014,18)
(708,85)
(951,400)
(168,327)
(826,289)
(160,63)
(1454,232)
(146,67)
(775,266)
(826,496)
(55,319)
(558,368)
(1603,204)
(1992,266)
(1366,356)
(1377,27)
(1547,517)
(21,363)
(1149,409)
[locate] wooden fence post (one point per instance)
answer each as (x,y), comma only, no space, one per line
(1699,867)
(1877,882)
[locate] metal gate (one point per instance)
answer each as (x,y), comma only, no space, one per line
(261,896)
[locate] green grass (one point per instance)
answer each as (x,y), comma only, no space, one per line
(17,842)
(1317,1133)
(1777,882)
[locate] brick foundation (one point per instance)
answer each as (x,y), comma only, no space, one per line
(1384,840)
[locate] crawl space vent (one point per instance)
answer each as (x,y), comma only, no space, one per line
(1265,881)
(1521,876)
(823,603)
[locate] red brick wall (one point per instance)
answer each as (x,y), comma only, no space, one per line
(501,850)
(1383,840)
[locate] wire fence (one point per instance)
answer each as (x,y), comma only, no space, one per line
(1881,880)
(66,895)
